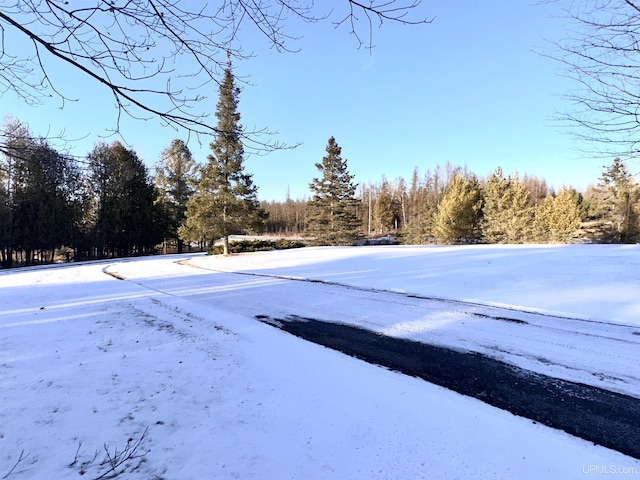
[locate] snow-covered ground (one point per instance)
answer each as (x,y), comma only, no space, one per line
(174,357)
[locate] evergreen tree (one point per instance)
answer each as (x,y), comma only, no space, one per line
(174,180)
(424,200)
(557,219)
(124,219)
(36,213)
(225,200)
(383,210)
(420,230)
(507,213)
(411,233)
(416,197)
(459,213)
(6,247)
(618,192)
(332,218)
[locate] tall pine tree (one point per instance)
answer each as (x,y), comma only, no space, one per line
(225,201)
(174,178)
(619,194)
(332,217)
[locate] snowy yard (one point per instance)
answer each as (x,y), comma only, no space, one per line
(173,360)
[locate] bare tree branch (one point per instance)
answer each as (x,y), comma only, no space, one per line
(382,10)
(601,54)
(155,56)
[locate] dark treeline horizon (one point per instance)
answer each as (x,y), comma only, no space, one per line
(55,207)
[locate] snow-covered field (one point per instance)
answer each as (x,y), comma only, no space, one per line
(173,361)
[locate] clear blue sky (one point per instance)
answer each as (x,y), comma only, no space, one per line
(467,89)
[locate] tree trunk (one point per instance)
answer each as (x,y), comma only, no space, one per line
(7,257)
(225,245)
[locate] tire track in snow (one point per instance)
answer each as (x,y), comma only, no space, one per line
(585,350)
(466,304)
(594,352)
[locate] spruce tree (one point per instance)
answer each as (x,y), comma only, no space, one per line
(174,179)
(416,194)
(332,218)
(384,217)
(225,201)
(424,198)
(619,194)
(420,230)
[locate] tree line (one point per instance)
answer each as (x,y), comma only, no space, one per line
(109,205)
(102,207)
(450,205)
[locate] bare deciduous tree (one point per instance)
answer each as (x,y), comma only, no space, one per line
(155,55)
(601,53)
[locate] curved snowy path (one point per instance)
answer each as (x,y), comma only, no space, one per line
(594,352)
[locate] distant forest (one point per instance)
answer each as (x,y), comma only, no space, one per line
(54,207)
(449,205)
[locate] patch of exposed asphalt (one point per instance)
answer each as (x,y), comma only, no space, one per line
(605,418)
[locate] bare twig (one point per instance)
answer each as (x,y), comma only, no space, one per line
(84,466)
(21,459)
(75,458)
(114,462)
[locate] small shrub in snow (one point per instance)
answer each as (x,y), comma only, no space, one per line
(115,462)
